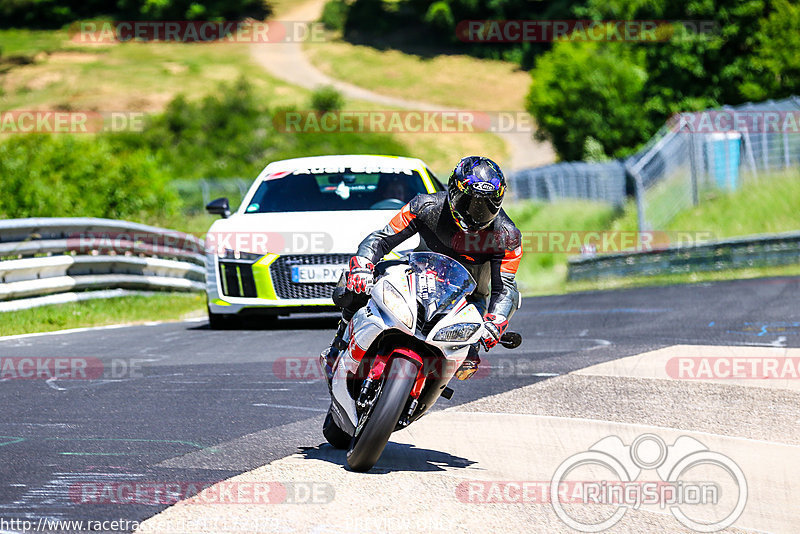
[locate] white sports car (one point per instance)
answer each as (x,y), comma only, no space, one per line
(286,246)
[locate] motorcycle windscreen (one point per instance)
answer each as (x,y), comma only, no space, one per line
(441,282)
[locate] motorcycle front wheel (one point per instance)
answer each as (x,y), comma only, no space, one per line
(366,447)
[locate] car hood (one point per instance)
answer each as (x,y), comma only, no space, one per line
(299,232)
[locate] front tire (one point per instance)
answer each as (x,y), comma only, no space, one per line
(338,438)
(218,321)
(366,448)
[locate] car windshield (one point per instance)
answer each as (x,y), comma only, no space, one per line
(306,190)
(441,281)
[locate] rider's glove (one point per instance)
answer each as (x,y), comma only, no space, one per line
(493,328)
(360,279)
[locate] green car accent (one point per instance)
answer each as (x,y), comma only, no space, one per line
(262,278)
(427,180)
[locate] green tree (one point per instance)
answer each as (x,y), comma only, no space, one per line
(777,55)
(589,89)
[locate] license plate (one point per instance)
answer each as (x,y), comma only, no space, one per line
(317,274)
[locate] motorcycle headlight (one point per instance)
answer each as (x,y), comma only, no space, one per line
(457,332)
(396,304)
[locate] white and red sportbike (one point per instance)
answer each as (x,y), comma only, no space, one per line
(403,348)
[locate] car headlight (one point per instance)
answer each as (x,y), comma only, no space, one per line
(457,332)
(229,254)
(396,304)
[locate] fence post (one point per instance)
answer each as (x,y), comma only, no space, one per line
(640,211)
(692,162)
(750,157)
(205,191)
(785,150)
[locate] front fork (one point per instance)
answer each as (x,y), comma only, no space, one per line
(370,387)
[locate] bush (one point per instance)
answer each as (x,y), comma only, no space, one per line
(334,14)
(66,176)
(326,99)
(231,134)
(440,16)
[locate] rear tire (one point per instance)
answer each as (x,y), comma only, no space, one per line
(338,438)
(366,448)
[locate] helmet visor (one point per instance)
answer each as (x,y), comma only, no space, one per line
(474,212)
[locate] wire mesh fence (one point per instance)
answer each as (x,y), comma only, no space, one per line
(692,155)
(603,182)
(713,150)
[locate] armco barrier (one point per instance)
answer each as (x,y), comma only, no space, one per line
(46,256)
(736,253)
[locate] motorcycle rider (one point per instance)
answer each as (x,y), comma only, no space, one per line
(466,223)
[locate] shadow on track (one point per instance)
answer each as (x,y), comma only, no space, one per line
(395,457)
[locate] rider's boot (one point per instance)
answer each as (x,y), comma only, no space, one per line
(470,365)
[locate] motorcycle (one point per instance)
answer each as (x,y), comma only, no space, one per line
(403,348)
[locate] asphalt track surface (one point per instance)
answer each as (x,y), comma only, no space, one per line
(205,405)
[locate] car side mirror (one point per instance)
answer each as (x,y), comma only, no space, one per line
(219,207)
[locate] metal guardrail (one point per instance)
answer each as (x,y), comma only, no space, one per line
(46,256)
(736,253)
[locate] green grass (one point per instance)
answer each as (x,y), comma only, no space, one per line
(543,272)
(129,309)
(493,85)
(672,279)
(18,42)
(133,76)
(769,205)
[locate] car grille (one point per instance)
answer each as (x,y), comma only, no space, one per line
(281,272)
(236,278)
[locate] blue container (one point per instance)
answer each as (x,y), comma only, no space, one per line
(723,151)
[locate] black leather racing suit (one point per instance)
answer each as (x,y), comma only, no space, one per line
(491,256)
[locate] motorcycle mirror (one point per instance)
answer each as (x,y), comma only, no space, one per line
(511,340)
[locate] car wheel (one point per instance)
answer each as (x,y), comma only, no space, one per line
(218,321)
